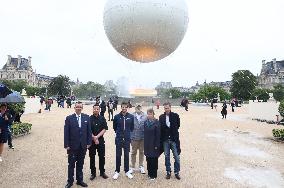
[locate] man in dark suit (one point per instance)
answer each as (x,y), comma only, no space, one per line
(77,138)
(170,123)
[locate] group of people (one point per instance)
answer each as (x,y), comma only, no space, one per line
(140,131)
(7,117)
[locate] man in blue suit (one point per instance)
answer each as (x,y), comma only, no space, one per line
(77,138)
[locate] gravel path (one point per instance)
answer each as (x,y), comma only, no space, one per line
(236,152)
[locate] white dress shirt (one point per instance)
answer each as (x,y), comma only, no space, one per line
(168,121)
(79,119)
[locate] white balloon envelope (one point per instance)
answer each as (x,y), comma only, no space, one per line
(145,30)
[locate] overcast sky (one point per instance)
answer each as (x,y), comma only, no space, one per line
(67,37)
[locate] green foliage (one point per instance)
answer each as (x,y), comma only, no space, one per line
(243,84)
(89,89)
(21,129)
(210,92)
(16,85)
(262,94)
(278,133)
(60,85)
(175,93)
(31,91)
(281,108)
(278,92)
(17,107)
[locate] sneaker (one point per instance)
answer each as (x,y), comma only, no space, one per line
(11,147)
(129,175)
(115,176)
(1,159)
(131,170)
(142,170)
(152,179)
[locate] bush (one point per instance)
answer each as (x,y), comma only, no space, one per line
(17,107)
(281,108)
(278,133)
(19,129)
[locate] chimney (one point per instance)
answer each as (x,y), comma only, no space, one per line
(30,61)
(263,65)
(275,65)
(19,61)
(9,60)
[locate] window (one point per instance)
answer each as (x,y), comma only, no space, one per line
(20,76)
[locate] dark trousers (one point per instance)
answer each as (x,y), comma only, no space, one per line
(76,157)
(110,113)
(102,113)
(9,136)
(100,148)
(152,166)
(126,149)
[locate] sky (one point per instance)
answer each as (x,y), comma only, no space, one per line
(67,37)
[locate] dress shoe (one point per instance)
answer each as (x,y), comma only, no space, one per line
(168,176)
(177,176)
(68,185)
(104,176)
(92,177)
(82,184)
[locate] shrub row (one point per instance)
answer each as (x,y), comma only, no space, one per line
(278,133)
(19,129)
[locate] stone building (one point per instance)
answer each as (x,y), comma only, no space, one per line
(21,69)
(272,73)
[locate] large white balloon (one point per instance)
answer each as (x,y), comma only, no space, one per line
(145,30)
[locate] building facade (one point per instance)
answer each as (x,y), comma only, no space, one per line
(272,73)
(21,69)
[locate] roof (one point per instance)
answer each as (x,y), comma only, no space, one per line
(269,68)
(23,65)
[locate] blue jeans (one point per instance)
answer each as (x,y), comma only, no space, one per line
(170,145)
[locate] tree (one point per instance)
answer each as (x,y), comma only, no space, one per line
(278,92)
(15,85)
(175,93)
(60,85)
(243,84)
(261,94)
(209,92)
(90,89)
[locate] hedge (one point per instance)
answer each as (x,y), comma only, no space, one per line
(278,133)
(19,129)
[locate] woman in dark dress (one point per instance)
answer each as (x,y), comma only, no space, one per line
(152,143)
(4,122)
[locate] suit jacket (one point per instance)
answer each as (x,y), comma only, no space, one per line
(74,136)
(175,124)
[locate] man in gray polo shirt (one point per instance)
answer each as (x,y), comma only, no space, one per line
(137,139)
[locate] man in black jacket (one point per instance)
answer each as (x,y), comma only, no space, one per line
(98,127)
(170,123)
